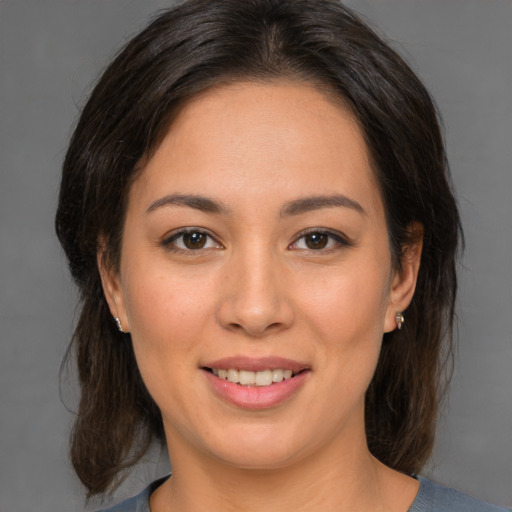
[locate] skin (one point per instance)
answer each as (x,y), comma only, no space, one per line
(256,288)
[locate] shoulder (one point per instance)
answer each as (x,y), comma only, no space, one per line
(433,497)
(137,503)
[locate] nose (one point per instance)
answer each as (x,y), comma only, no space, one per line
(255,299)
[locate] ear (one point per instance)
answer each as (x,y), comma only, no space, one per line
(112,288)
(404,279)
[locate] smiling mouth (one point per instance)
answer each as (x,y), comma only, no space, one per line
(249,378)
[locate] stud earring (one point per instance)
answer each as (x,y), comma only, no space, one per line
(399,319)
(119,325)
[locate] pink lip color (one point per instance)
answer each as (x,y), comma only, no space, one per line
(257,397)
(257,364)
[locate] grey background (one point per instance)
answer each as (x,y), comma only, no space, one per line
(50,53)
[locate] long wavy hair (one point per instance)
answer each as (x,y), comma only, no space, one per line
(188,49)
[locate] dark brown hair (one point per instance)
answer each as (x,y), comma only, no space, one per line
(186,50)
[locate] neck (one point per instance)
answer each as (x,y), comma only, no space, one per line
(352,481)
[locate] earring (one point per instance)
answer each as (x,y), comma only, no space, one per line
(119,325)
(399,319)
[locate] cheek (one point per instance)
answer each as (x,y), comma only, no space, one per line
(166,314)
(168,318)
(346,315)
(350,305)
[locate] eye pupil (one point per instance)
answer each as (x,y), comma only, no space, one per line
(194,240)
(316,240)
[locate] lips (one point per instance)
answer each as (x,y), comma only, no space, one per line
(256,383)
(257,364)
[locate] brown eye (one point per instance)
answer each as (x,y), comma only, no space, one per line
(320,240)
(316,241)
(194,240)
(190,240)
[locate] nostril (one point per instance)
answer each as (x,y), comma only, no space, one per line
(253,315)
(256,330)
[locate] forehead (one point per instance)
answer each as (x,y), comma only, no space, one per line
(262,138)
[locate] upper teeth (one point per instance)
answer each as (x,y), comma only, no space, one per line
(248,378)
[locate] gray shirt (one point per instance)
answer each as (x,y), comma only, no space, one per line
(431,497)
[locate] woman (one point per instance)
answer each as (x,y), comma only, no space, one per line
(256,208)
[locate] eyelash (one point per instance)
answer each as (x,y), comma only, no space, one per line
(170,242)
(334,240)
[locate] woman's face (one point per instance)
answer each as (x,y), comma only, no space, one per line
(255,247)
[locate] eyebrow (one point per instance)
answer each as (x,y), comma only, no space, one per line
(202,203)
(308,204)
(295,207)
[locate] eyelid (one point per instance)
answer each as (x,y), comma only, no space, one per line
(340,238)
(169,238)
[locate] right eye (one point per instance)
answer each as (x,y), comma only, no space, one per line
(190,240)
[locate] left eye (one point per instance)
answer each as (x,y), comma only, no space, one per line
(192,240)
(317,240)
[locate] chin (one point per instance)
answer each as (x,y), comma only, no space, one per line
(259,448)
(259,460)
